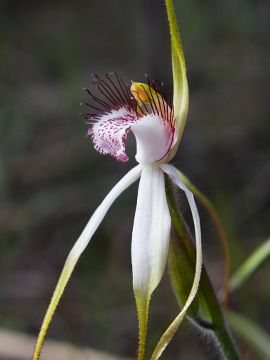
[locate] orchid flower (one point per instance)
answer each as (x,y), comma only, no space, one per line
(157,124)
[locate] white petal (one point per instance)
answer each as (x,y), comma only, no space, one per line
(154,137)
(79,247)
(150,236)
(169,333)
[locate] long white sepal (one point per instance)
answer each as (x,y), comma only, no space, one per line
(169,333)
(150,242)
(80,246)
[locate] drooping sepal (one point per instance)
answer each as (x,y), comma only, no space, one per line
(182,257)
(205,310)
(171,330)
(78,249)
(224,242)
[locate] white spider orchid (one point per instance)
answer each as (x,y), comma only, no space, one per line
(157,126)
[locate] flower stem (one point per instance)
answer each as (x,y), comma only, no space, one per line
(143,311)
(226,344)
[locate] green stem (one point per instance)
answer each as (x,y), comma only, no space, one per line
(226,343)
(213,320)
(143,310)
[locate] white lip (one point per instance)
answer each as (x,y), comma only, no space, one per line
(153,138)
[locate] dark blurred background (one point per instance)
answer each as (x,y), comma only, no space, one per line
(51,178)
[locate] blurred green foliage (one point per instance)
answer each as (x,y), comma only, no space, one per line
(51,179)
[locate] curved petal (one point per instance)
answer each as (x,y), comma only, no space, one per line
(80,246)
(150,241)
(169,333)
(224,241)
